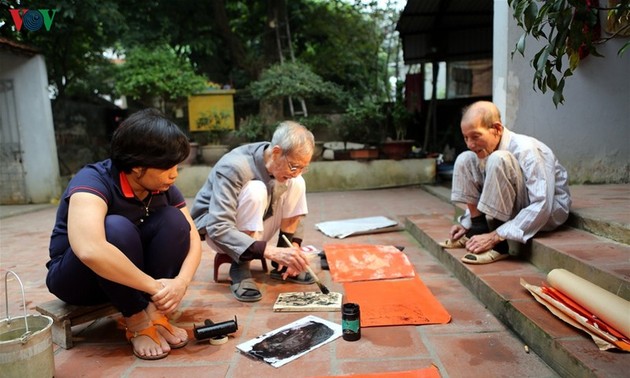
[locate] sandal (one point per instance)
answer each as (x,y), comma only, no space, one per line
(451,244)
(303,278)
(246,290)
(162,321)
(150,332)
(485,257)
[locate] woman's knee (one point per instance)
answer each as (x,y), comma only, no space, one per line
(171,218)
(120,231)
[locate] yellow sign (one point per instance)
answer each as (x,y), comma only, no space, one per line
(210,110)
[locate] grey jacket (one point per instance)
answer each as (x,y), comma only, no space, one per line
(214,208)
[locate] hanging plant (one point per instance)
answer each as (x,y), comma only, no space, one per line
(571,29)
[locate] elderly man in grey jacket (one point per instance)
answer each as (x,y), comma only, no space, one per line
(252,193)
(512,184)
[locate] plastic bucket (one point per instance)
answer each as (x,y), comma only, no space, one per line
(26,343)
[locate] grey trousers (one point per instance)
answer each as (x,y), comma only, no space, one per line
(495,184)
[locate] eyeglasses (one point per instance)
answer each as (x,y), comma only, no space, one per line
(295,168)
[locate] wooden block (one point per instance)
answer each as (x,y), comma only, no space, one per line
(65,316)
(308,301)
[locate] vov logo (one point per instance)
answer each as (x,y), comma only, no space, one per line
(33,19)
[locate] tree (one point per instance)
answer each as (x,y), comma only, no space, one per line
(73,46)
(158,73)
(341,42)
(571,30)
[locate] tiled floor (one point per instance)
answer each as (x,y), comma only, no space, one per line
(473,344)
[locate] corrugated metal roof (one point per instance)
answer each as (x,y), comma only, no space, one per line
(446,30)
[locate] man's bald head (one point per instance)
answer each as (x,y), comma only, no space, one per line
(487,113)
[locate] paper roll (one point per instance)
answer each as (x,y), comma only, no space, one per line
(612,309)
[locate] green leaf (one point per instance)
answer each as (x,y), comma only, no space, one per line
(552,82)
(520,45)
(558,97)
(519,8)
(530,15)
(623,49)
(574,60)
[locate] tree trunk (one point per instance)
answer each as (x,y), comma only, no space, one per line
(271,111)
(235,46)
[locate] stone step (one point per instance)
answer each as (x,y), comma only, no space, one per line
(602,261)
(567,350)
(608,215)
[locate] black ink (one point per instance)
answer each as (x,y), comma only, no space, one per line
(292,341)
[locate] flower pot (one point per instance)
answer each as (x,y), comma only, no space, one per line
(318,151)
(211,153)
(192,156)
(397,149)
(364,154)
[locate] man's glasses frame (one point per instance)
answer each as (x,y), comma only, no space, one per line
(293,168)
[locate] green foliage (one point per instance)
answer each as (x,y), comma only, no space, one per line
(363,122)
(157,73)
(400,118)
(292,79)
(314,122)
(79,34)
(254,129)
(569,29)
(212,127)
(341,43)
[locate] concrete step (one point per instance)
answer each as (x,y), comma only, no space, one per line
(602,210)
(605,261)
(567,350)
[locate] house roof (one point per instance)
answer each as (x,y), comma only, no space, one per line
(7,44)
(446,30)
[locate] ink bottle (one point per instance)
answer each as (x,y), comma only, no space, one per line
(351,322)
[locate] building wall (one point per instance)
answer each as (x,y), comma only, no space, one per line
(590,133)
(34,116)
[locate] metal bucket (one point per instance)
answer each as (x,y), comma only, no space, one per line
(26,343)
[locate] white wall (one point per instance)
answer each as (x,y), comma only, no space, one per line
(34,114)
(590,133)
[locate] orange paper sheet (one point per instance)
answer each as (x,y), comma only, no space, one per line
(430,372)
(363,262)
(396,302)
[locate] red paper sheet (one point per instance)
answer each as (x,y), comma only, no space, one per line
(430,372)
(396,302)
(363,262)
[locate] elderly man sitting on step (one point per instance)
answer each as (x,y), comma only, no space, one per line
(512,184)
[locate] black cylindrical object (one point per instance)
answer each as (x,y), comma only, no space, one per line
(351,321)
(213,330)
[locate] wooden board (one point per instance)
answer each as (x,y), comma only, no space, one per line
(303,301)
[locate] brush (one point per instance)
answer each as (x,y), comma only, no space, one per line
(321,286)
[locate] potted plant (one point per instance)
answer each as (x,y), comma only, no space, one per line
(213,129)
(398,148)
(254,129)
(363,124)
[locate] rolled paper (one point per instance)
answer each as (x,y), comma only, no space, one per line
(612,309)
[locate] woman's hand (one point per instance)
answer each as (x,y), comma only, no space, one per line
(170,296)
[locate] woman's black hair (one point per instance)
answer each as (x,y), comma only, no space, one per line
(150,140)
